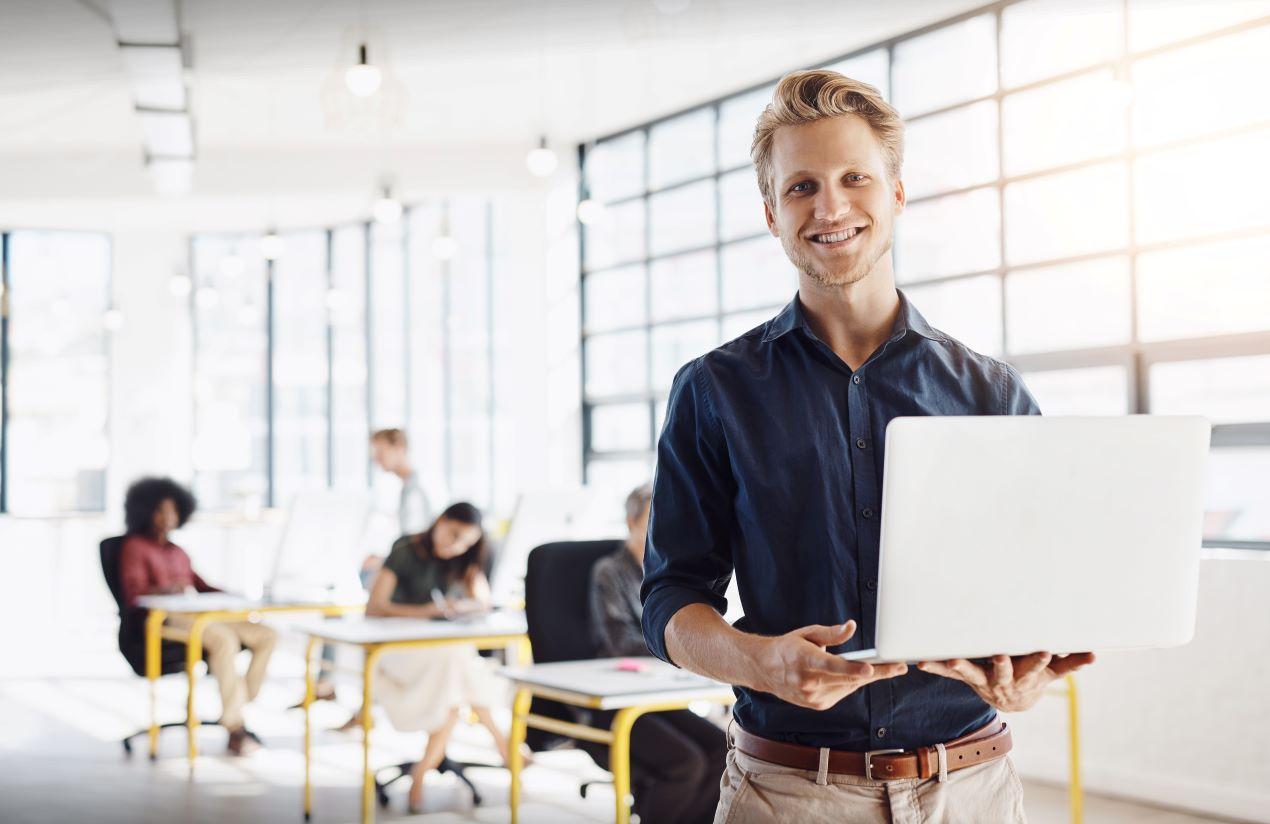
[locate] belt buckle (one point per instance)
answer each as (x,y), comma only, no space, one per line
(868,762)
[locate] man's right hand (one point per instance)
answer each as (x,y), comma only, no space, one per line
(796,668)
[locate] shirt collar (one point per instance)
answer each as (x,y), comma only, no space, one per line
(909,320)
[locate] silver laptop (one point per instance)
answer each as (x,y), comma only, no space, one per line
(1012,535)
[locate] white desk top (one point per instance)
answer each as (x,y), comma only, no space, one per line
(601,680)
(363,630)
(225,602)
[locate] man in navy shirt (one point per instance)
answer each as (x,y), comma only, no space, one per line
(770,466)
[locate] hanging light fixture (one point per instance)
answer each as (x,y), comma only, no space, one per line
(541,161)
(363,79)
(386,209)
(271,246)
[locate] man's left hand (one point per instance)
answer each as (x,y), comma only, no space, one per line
(1010,684)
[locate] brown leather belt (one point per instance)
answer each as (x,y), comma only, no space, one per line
(978,747)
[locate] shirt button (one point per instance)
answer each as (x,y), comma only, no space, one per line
(855,378)
(871,584)
(866,512)
(860,442)
(881,733)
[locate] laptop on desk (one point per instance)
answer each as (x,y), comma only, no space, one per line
(1013,535)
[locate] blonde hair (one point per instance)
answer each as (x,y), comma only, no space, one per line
(807,96)
(392,437)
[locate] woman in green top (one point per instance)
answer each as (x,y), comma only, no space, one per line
(424,689)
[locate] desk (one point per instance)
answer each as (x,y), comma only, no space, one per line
(205,608)
(376,636)
(600,685)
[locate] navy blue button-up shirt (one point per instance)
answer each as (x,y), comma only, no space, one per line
(770,465)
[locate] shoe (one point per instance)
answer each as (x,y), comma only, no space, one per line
(324,692)
(242,742)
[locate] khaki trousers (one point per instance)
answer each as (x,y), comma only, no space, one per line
(222,643)
(753,792)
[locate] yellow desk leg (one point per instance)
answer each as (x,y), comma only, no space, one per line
(368,778)
(520,711)
(308,728)
(620,760)
(154,641)
(193,653)
(1075,797)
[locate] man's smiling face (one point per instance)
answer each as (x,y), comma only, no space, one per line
(833,204)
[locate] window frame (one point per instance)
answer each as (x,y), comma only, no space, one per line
(366,228)
(1137,355)
(6,358)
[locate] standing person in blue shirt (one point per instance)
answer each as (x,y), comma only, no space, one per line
(770,466)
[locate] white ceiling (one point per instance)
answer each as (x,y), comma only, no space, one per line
(472,79)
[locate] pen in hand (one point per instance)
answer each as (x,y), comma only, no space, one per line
(442,604)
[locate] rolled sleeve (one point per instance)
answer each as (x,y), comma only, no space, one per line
(688,558)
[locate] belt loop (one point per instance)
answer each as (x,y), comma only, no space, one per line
(731,739)
(822,775)
(943,762)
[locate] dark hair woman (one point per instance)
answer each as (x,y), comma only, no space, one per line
(438,573)
(447,556)
(147,496)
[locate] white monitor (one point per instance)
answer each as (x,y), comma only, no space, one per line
(543,516)
(322,546)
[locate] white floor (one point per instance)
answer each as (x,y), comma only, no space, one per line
(61,761)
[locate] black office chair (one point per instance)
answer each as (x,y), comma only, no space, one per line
(395,772)
(557,604)
(132,633)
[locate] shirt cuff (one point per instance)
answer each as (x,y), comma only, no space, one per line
(661,606)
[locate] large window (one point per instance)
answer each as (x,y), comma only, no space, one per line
(345,330)
(301,361)
(675,263)
(346,308)
(230,305)
(1086,201)
(54,371)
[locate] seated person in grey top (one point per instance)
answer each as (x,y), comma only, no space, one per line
(675,756)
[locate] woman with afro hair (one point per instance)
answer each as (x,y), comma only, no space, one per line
(150,564)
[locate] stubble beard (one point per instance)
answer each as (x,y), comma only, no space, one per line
(808,266)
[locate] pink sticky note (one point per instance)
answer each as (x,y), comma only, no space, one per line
(630,665)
